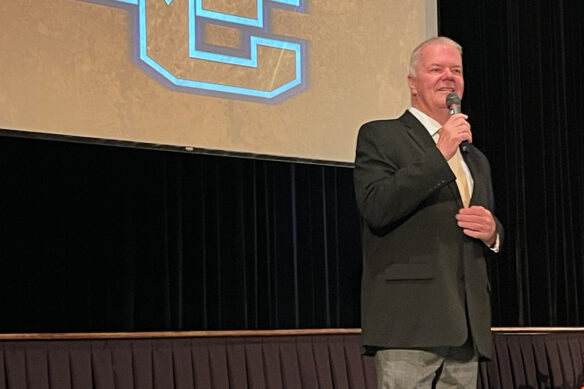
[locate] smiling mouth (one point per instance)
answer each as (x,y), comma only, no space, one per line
(449,90)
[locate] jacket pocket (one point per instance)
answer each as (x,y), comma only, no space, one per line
(409,271)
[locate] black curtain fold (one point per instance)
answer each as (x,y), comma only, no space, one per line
(114,239)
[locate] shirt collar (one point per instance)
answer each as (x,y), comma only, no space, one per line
(431,125)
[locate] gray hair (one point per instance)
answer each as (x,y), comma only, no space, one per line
(441,40)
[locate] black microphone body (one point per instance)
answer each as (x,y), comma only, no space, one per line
(453,103)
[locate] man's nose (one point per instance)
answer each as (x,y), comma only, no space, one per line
(448,74)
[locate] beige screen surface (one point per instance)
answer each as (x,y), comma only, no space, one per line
(287,78)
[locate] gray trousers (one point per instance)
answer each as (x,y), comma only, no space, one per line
(438,367)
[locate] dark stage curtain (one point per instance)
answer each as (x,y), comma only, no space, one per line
(524,97)
(101,238)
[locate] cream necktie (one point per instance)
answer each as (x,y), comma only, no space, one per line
(455,164)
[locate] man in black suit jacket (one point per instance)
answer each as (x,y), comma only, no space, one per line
(425,291)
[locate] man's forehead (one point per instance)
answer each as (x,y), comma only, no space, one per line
(431,54)
(436,63)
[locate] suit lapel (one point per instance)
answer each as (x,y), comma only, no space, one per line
(473,163)
(417,131)
(422,138)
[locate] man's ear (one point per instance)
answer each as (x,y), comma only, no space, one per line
(412,84)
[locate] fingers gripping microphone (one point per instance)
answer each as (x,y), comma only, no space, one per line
(453,103)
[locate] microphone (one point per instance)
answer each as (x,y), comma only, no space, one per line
(453,103)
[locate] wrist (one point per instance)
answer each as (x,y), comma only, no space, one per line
(492,241)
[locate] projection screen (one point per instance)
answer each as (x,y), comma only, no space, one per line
(288,79)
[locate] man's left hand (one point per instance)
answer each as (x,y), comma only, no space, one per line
(479,223)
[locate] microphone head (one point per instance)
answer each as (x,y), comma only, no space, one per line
(452,99)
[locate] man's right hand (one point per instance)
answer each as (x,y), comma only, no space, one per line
(452,134)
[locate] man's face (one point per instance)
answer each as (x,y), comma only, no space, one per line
(439,72)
